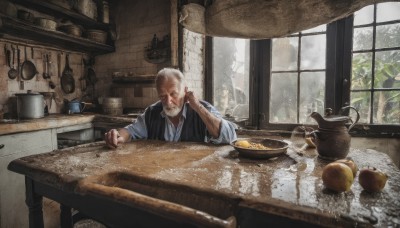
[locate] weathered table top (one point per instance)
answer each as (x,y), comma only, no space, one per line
(289,185)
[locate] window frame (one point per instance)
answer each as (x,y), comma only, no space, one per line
(339,44)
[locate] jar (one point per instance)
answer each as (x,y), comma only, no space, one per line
(105,12)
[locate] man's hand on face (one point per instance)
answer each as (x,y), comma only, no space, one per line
(192,100)
(112,138)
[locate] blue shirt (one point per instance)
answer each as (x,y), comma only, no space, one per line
(138,129)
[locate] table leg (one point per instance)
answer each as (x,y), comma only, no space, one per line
(65,217)
(34,203)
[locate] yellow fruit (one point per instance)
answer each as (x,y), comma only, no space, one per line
(372,179)
(337,177)
(350,164)
(310,143)
(242,143)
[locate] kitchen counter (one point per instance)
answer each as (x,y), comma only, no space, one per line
(210,178)
(47,122)
(58,121)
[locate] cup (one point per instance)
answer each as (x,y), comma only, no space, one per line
(301,138)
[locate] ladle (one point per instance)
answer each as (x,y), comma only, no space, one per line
(12,73)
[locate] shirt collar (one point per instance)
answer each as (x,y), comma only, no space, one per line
(163,115)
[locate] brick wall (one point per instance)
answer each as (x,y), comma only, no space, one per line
(137,22)
(9,87)
(193,61)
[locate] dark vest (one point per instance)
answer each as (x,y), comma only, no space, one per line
(193,129)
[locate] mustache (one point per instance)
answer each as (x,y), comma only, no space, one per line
(171,106)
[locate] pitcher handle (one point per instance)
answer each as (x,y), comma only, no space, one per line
(358,115)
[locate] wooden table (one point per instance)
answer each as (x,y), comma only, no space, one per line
(202,184)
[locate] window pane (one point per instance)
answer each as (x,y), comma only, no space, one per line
(321,28)
(364,16)
(361,71)
(388,36)
(362,39)
(361,101)
(388,11)
(283,101)
(231,76)
(284,53)
(312,95)
(387,69)
(387,107)
(313,52)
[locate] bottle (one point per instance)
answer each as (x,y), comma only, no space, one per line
(154,42)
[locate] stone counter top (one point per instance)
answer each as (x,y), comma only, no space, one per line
(289,186)
(57,121)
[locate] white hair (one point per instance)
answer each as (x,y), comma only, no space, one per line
(166,73)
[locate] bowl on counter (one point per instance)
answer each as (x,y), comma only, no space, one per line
(259,147)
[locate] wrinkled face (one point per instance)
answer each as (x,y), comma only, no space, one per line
(171,95)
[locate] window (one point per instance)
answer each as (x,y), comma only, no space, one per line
(297,76)
(375,81)
(231,81)
(353,61)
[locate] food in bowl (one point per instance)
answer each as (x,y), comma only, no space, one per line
(251,145)
(242,143)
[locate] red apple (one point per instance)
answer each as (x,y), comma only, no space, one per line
(372,179)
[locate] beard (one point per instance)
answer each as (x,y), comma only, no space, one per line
(172,110)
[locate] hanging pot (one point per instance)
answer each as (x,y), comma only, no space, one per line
(30,105)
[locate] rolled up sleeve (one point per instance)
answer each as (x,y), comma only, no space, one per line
(227,132)
(138,129)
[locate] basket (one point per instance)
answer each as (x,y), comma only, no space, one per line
(74,30)
(97,35)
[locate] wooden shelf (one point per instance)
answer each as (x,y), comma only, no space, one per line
(61,12)
(11,28)
(134,79)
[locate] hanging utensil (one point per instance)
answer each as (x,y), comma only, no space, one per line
(67,79)
(34,62)
(59,65)
(28,69)
(18,63)
(45,62)
(12,73)
(83,78)
(52,85)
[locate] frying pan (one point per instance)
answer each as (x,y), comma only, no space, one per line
(28,69)
(67,79)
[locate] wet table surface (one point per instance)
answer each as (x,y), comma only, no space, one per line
(288,186)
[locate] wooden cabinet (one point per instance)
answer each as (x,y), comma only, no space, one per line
(13,211)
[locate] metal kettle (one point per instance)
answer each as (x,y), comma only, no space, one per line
(332,137)
(75,106)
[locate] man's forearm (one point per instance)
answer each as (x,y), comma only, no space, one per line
(124,134)
(212,122)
